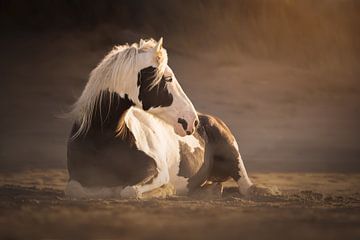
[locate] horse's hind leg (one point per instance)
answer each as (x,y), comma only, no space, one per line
(243,180)
(240,174)
(226,158)
(227,163)
(226,167)
(246,187)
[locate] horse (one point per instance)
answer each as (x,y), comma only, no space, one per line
(135,130)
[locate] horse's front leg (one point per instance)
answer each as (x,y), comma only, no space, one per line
(137,191)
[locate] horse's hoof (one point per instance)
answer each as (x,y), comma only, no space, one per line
(130,192)
(257,191)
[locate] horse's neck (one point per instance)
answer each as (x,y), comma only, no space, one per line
(107,112)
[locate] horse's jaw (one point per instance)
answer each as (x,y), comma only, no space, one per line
(170,125)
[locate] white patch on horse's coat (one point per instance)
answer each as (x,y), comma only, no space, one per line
(192,142)
(236,146)
(244,182)
(158,140)
(178,106)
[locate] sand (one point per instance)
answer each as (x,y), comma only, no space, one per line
(311,206)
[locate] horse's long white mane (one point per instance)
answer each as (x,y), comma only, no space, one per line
(117,73)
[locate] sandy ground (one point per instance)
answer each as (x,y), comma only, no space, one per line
(311,206)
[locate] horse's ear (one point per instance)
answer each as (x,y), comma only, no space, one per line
(159,45)
(141,42)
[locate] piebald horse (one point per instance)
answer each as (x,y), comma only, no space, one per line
(135,130)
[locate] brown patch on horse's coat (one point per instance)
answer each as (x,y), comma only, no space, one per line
(224,155)
(156,96)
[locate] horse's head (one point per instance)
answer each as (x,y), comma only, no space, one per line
(139,73)
(159,92)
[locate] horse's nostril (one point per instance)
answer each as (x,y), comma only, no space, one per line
(196,123)
(183,123)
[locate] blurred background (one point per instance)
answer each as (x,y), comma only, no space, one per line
(283,74)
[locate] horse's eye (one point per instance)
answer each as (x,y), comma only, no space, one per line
(168,79)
